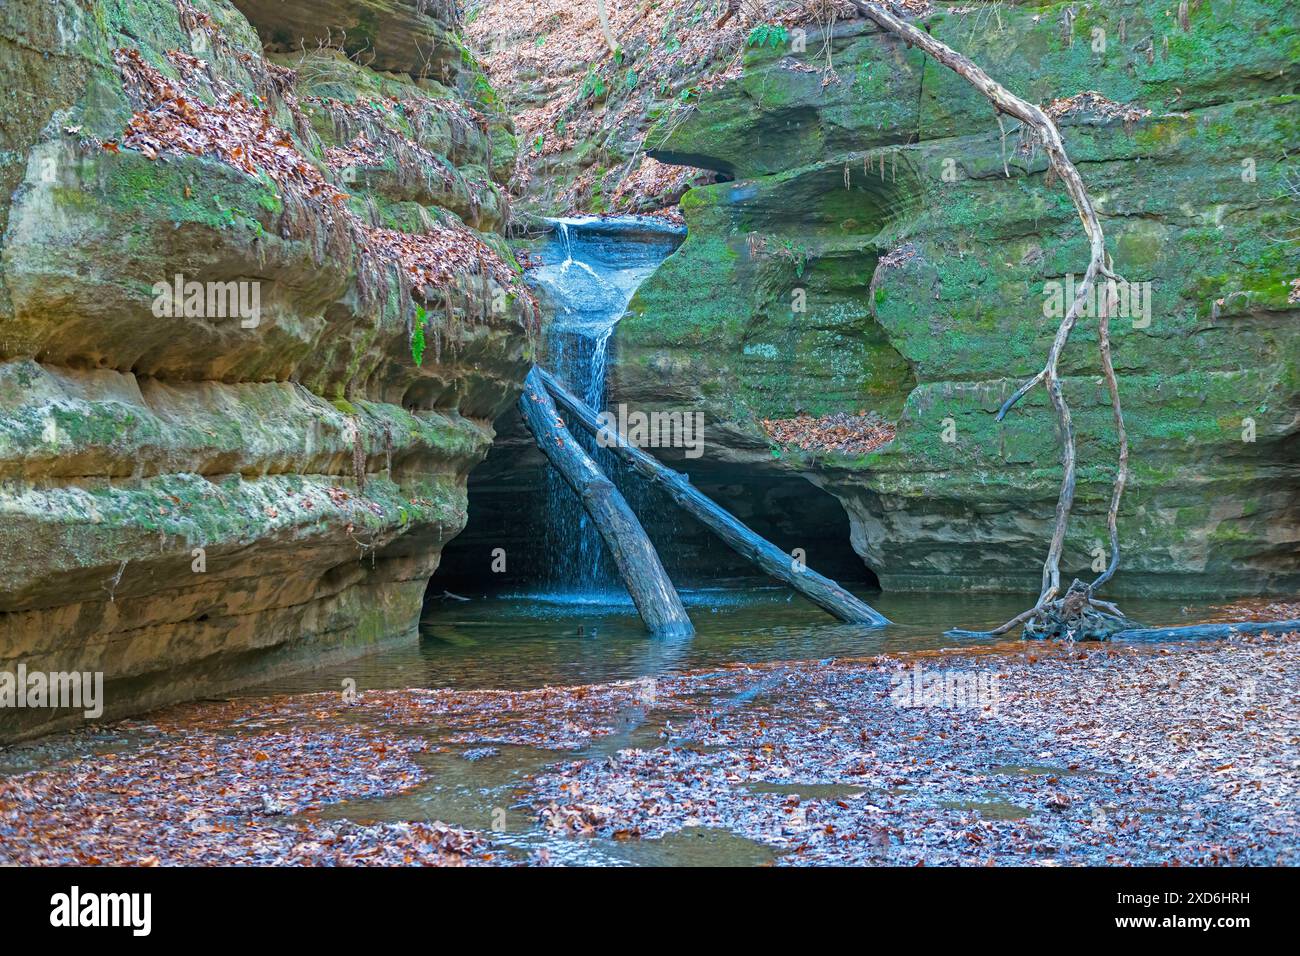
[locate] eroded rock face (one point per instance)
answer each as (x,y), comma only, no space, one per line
(883,248)
(201,491)
(391,36)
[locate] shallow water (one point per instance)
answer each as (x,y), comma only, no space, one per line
(525,641)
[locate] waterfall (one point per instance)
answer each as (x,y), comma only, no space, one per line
(592,268)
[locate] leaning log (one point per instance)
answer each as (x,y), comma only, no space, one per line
(822,591)
(638,563)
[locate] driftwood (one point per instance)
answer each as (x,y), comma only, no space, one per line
(822,591)
(1082,618)
(638,563)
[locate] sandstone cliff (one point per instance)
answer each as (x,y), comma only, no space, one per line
(199,492)
(882,246)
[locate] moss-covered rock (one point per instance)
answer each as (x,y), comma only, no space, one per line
(190,498)
(389,36)
(926,243)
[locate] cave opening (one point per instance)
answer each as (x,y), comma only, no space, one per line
(505,547)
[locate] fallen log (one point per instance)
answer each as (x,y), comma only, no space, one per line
(822,591)
(638,563)
(1202,632)
(1185,632)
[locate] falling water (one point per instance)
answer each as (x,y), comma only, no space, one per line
(593,266)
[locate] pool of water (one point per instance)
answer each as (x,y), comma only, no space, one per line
(523,641)
(531,640)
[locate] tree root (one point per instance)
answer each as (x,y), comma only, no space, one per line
(1075,616)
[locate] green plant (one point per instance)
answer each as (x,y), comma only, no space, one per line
(768,34)
(417,336)
(593,87)
(483,91)
(796,252)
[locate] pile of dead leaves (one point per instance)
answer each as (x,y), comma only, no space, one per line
(899,257)
(1156,755)
(375,127)
(574,87)
(359,152)
(664,183)
(1092,103)
(171,118)
(233,129)
(842,433)
(575,819)
(433,259)
(417,111)
(1258,609)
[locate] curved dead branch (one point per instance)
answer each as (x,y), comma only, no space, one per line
(1121,433)
(1049,137)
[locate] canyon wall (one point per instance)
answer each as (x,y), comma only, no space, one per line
(255,324)
(880,244)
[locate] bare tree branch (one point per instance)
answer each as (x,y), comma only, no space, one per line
(1049,137)
(604,26)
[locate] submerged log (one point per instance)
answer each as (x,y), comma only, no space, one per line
(1202,632)
(638,563)
(1185,632)
(822,591)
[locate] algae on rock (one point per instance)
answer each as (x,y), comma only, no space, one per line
(924,243)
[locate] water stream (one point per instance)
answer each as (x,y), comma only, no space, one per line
(521,643)
(592,268)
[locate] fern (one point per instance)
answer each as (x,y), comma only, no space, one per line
(768,34)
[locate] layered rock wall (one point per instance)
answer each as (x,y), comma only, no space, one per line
(196,492)
(885,246)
